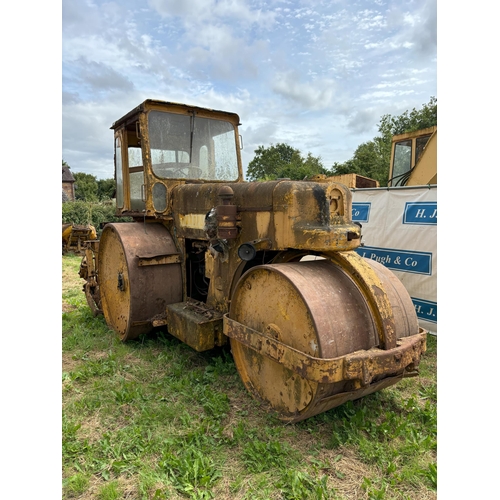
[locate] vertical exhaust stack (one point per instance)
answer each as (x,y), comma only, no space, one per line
(226,215)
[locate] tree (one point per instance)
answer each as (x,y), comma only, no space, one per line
(86,187)
(372,158)
(409,121)
(106,189)
(283,161)
(368,160)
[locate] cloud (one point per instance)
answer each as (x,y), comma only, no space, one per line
(362,121)
(201,12)
(314,94)
(80,18)
(369,19)
(100,77)
(424,33)
(416,30)
(223,55)
(172,8)
(70,98)
(87,140)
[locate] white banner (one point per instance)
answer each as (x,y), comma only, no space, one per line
(399,230)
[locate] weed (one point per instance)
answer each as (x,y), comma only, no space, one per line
(94,368)
(190,471)
(375,489)
(259,456)
(215,404)
(295,485)
(76,484)
(428,392)
(431,474)
(110,491)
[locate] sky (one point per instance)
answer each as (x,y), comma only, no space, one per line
(316,75)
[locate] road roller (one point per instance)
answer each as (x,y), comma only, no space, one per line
(269,268)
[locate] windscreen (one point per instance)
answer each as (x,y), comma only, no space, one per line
(191,147)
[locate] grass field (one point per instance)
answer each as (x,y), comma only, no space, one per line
(153,419)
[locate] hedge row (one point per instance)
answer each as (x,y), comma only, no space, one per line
(86,212)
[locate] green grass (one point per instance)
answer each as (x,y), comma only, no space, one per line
(153,419)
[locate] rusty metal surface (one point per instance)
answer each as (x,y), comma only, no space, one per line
(288,316)
(131,294)
(362,366)
(149,104)
(75,236)
(195,325)
(303,215)
(89,272)
(389,302)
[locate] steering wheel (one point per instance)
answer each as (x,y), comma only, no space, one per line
(177,170)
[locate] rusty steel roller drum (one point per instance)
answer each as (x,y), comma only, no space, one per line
(318,308)
(134,287)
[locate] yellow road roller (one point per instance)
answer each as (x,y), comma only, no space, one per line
(269,267)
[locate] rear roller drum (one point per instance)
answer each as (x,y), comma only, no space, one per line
(317,308)
(135,286)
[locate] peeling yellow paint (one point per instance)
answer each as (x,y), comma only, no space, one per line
(263,220)
(192,221)
(283,311)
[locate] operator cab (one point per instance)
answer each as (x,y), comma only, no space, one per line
(406,152)
(159,145)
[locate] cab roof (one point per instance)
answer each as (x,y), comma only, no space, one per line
(169,105)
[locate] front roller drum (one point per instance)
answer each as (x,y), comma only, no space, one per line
(285,319)
(139,275)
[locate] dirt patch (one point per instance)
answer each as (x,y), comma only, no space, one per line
(127,487)
(67,307)
(91,428)
(346,474)
(68,363)
(71,280)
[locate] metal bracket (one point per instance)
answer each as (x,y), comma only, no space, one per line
(160,259)
(362,366)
